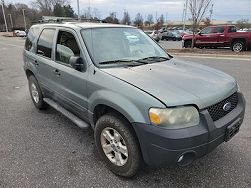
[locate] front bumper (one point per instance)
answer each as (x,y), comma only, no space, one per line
(165,147)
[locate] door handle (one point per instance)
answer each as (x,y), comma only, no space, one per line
(57,72)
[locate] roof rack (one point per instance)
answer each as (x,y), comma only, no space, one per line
(53,19)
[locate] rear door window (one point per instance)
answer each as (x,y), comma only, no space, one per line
(45,42)
(232,29)
(219,30)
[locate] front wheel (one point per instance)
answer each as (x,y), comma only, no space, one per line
(238,46)
(188,44)
(117,145)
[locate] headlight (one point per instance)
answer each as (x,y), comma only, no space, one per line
(174,118)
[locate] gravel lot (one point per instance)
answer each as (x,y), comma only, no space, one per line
(45,149)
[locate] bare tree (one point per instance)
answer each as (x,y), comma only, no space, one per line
(150,19)
(207,22)
(126,20)
(96,13)
(198,9)
(161,20)
(112,18)
(138,20)
(47,6)
(243,23)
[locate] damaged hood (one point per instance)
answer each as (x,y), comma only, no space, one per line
(176,82)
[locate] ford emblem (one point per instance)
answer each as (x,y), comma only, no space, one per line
(227,106)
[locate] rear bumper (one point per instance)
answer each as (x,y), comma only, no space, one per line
(165,147)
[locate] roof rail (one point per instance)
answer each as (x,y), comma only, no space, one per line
(53,19)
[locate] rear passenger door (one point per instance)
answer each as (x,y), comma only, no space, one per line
(71,88)
(220,36)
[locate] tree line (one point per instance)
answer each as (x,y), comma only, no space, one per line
(62,8)
(14,12)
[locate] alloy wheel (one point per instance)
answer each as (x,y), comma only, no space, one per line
(34,93)
(237,47)
(114,146)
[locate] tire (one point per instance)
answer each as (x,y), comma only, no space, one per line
(188,44)
(115,124)
(238,46)
(36,94)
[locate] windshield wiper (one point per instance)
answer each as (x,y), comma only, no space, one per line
(133,62)
(116,61)
(153,58)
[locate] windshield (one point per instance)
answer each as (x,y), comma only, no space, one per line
(121,45)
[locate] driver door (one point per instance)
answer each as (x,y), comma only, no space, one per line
(71,92)
(205,38)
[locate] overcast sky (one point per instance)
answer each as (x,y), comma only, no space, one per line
(223,9)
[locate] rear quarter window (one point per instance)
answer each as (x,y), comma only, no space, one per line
(232,29)
(31,38)
(45,42)
(219,30)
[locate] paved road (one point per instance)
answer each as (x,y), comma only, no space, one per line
(171,44)
(44,149)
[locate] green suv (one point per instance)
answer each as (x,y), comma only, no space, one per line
(144,106)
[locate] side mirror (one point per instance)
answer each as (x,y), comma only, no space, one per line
(78,63)
(199,33)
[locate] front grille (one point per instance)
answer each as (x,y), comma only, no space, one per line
(217,112)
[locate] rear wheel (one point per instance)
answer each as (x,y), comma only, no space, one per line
(238,46)
(117,145)
(36,93)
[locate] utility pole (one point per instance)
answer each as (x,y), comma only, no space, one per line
(78,10)
(11,21)
(211,12)
(24,20)
(166,17)
(185,15)
(6,27)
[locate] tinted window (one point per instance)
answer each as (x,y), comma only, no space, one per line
(232,29)
(67,47)
(45,41)
(32,34)
(219,30)
(207,30)
(28,43)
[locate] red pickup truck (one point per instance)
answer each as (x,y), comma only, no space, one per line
(220,36)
